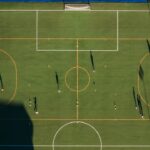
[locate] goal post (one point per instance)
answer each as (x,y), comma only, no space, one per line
(77,7)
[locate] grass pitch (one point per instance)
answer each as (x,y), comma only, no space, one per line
(82,116)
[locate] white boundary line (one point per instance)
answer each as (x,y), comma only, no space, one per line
(37,24)
(77,65)
(77,122)
(29,10)
(117,31)
(101,50)
(55,50)
(78,146)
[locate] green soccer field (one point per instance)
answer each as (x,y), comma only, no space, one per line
(93,106)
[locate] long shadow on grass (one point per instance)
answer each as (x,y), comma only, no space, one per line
(16,128)
(141,75)
(146,99)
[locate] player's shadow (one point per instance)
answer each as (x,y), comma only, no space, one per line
(146,99)
(16,128)
(141,73)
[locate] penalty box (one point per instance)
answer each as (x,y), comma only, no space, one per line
(60,30)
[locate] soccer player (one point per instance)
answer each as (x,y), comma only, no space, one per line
(92,61)
(30,102)
(1,82)
(135,99)
(140,106)
(115,105)
(35,105)
(57,82)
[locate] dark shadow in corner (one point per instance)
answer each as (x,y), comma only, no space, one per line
(16,128)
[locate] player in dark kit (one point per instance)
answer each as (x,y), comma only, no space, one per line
(92,61)
(35,105)
(57,82)
(1,82)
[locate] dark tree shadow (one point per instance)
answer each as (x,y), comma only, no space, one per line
(16,128)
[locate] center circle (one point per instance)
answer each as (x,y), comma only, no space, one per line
(94,134)
(77,79)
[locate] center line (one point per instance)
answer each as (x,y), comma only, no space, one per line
(77,66)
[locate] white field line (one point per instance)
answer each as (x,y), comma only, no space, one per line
(77,47)
(37,20)
(117,31)
(77,65)
(29,10)
(63,50)
(105,146)
(73,119)
(78,122)
(48,38)
(78,146)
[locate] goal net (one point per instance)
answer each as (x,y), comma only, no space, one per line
(77,7)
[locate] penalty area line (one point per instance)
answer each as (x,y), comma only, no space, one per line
(73,50)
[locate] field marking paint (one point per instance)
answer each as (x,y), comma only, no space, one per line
(117,31)
(50,38)
(58,10)
(77,67)
(16,74)
(79,90)
(77,122)
(28,10)
(37,24)
(138,79)
(117,43)
(80,146)
(72,119)
(73,50)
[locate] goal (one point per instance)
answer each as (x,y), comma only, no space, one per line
(77,7)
